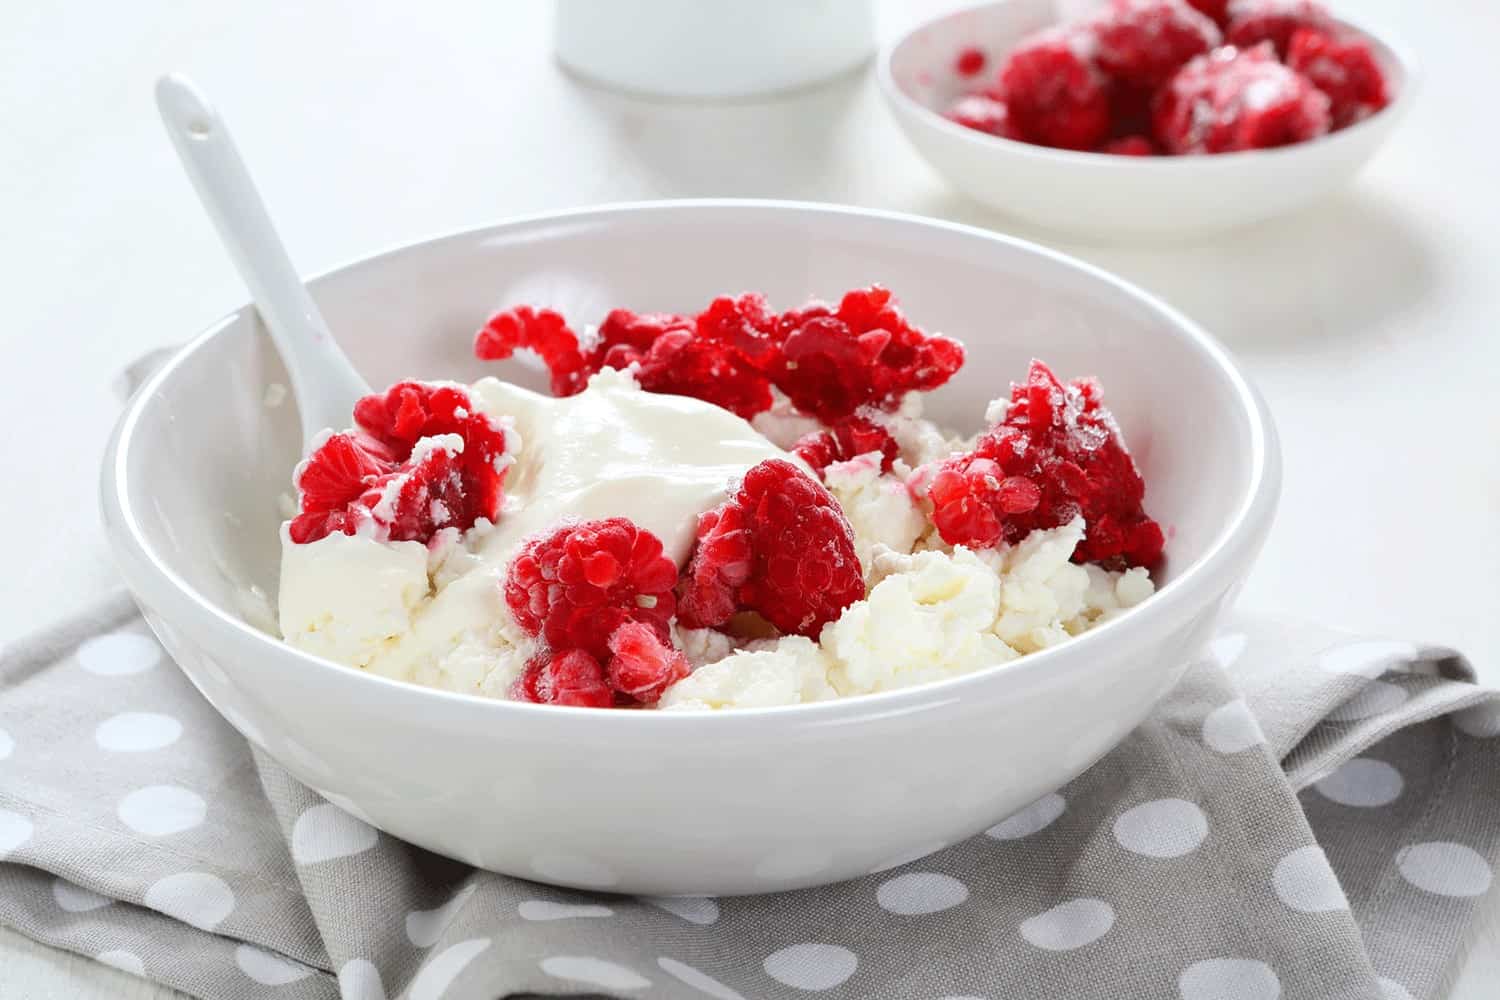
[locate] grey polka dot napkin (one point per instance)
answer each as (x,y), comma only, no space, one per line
(1307,815)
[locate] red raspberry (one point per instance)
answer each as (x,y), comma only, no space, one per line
(846,439)
(371,477)
(671,357)
(1254,21)
(643,666)
(970,61)
(1343,68)
(1130,145)
(1217,10)
(625,337)
(1130,110)
(1237,99)
(983,114)
(779,546)
(422,497)
(744,324)
(575,585)
(571,677)
(1056,455)
(542,331)
(410,411)
(863,354)
(331,480)
(1143,42)
(1055,93)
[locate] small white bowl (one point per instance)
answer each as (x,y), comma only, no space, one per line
(1103,196)
(736,802)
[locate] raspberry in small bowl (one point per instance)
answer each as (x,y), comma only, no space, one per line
(1146,119)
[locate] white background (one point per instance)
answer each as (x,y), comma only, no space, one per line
(1370,323)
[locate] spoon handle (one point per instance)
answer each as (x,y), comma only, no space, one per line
(325,383)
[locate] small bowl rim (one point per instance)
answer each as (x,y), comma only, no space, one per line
(1223,555)
(899,99)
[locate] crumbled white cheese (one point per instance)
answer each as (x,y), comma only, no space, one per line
(786,671)
(879,508)
(929,621)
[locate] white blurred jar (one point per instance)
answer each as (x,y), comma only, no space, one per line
(712,48)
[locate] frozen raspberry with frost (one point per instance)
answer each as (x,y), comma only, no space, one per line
(1217,10)
(1237,99)
(1130,145)
(1143,42)
(578,583)
(779,546)
(1344,68)
(983,114)
(864,353)
(425,495)
(1254,21)
(846,439)
(970,61)
(642,665)
(542,331)
(423,458)
(671,357)
(1056,455)
(331,481)
(410,411)
(571,677)
(625,337)
(1055,93)
(745,324)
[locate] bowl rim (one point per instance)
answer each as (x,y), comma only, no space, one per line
(897,97)
(1210,575)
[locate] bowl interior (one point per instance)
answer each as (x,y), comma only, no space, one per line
(207,458)
(923,63)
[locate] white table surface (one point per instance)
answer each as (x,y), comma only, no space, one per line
(1369,323)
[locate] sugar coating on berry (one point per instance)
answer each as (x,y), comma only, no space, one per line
(1143,42)
(779,546)
(642,665)
(423,457)
(970,61)
(1344,68)
(542,331)
(1054,90)
(1055,455)
(1254,21)
(1238,99)
(571,677)
(846,439)
(573,586)
(983,113)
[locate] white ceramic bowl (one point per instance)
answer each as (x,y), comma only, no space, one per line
(735,802)
(1100,196)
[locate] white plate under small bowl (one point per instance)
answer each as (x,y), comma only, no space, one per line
(694,803)
(1102,197)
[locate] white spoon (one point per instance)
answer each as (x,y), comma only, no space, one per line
(325,383)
